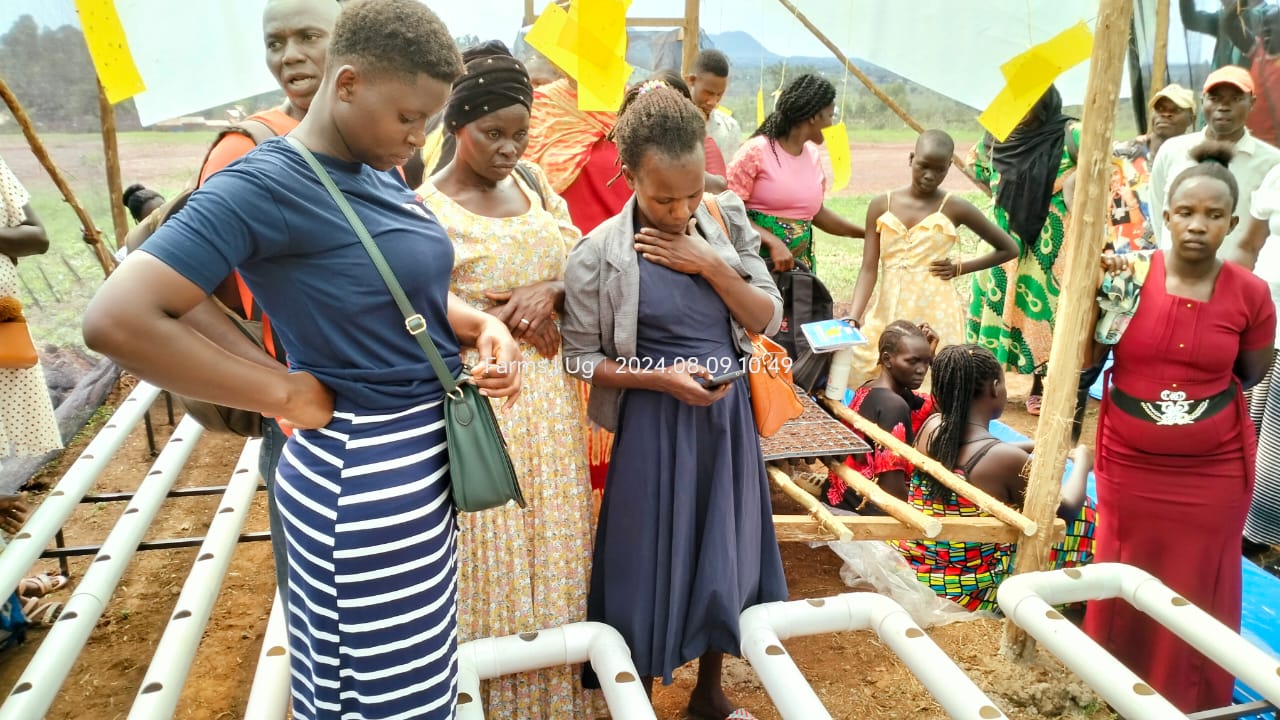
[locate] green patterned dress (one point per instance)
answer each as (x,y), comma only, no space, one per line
(1019,333)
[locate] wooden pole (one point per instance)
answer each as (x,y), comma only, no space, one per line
(689,45)
(918,522)
(804,528)
(1085,236)
(875,90)
(1160,57)
(111,152)
(91,234)
(824,517)
(529,16)
(993,507)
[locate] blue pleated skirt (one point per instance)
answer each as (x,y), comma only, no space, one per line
(371,545)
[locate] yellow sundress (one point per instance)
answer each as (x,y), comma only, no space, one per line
(906,290)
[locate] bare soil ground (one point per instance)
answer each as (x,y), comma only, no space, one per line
(854,674)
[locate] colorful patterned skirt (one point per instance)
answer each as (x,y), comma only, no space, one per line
(797,234)
(969,573)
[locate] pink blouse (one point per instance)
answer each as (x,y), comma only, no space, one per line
(781,184)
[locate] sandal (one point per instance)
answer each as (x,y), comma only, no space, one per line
(41,585)
(1033,404)
(41,613)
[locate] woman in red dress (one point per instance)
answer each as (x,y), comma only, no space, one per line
(1175,446)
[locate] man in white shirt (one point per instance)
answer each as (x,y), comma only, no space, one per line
(1228,97)
(707,83)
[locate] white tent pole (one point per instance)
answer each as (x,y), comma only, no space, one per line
(1027,600)
(763,627)
(269,696)
(578,642)
(162,685)
(45,673)
(25,547)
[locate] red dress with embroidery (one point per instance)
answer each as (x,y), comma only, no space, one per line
(1172,499)
(880,460)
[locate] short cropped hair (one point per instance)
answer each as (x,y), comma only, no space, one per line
(396,37)
(713,62)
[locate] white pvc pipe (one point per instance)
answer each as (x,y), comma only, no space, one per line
(25,548)
(269,696)
(162,685)
(598,643)
(1028,599)
(52,663)
(763,627)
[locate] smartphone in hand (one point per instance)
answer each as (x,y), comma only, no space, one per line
(719,380)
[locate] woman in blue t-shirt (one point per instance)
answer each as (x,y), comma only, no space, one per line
(362,485)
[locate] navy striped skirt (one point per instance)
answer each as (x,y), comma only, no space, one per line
(371,544)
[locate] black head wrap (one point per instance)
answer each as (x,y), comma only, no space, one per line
(1028,163)
(493,80)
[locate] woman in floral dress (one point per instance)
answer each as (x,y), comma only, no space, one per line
(518,570)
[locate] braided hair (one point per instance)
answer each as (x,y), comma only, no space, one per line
(1212,159)
(804,98)
(656,117)
(960,373)
(895,332)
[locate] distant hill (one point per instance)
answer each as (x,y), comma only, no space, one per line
(743,50)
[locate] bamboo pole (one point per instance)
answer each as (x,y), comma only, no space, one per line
(875,90)
(92,235)
(111,152)
(820,514)
(915,520)
(1085,235)
(993,507)
(1160,58)
(689,46)
(802,528)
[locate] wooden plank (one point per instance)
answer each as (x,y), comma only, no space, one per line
(802,528)
(1160,59)
(1086,233)
(656,22)
(689,46)
(926,464)
(921,524)
(817,513)
(111,153)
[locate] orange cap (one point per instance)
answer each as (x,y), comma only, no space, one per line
(1230,75)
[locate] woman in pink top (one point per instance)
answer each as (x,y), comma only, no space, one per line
(779,177)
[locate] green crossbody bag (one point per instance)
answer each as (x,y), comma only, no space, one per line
(479,466)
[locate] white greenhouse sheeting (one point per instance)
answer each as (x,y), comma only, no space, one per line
(203,53)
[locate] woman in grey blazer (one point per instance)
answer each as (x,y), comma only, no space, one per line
(658,302)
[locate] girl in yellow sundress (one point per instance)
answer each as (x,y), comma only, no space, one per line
(906,259)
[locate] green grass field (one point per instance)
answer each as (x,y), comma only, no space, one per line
(58,285)
(839,259)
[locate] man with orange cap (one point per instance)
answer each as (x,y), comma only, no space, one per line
(1227,100)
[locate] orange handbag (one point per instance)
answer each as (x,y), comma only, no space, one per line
(773,395)
(17,352)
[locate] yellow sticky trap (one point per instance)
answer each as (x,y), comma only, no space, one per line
(759,107)
(1029,74)
(836,138)
(589,43)
(109,49)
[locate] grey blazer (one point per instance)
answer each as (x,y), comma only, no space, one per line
(602,293)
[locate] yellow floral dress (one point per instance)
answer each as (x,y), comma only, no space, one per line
(27,423)
(906,290)
(522,570)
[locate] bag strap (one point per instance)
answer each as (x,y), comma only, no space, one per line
(713,207)
(526,174)
(413,320)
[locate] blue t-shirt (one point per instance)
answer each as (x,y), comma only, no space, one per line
(267,215)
